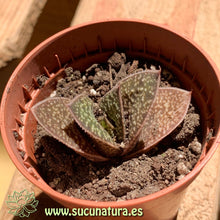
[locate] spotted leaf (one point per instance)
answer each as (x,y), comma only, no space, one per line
(111,104)
(56,118)
(166,113)
(82,111)
(137,92)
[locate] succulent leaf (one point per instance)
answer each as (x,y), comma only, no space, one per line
(82,110)
(166,113)
(55,117)
(112,106)
(138,92)
(104,122)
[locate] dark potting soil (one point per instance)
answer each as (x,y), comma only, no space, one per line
(169,161)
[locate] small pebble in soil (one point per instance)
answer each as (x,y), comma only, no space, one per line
(116,60)
(100,78)
(180,177)
(53,94)
(166,181)
(153,67)
(195,146)
(84,78)
(68,71)
(181,156)
(182,169)
(92,92)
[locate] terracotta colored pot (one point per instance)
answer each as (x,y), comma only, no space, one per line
(93,43)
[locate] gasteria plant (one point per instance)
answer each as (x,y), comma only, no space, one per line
(136,112)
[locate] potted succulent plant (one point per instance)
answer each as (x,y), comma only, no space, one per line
(134,114)
(135,110)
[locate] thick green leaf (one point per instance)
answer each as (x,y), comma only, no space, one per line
(82,110)
(56,118)
(112,106)
(166,113)
(137,92)
(106,124)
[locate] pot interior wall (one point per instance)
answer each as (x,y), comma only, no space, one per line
(84,46)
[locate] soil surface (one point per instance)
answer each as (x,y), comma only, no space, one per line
(169,161)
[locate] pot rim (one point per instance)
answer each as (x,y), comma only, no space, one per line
(88,203)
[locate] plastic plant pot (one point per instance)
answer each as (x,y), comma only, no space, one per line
(91,43)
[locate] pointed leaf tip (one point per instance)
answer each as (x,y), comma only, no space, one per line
(166,113)
(138,92)
(82,111)
(55,117)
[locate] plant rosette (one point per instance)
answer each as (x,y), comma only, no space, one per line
(151,114)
